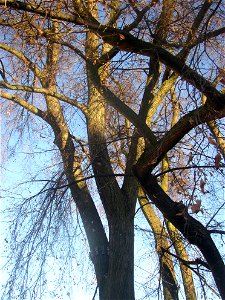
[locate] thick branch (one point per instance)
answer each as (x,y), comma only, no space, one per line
(140,16)
(126,111)
(152,156)
(164,20)
(220,140)
(129,43)
(206,36)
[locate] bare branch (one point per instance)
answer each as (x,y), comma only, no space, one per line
(152,156)
(30,107)
(204,37)
(217,231)
(197,261)
(127,42)
(23,58)
(185,168)
(44,91)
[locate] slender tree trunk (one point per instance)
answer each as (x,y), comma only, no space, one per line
(169,283)
(92,223)
(72,167)
(186,272)
(178,245)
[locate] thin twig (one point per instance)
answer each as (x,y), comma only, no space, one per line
(184,168)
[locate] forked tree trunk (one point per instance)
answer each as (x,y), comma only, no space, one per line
(119,207)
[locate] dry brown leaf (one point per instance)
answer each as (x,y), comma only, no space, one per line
(217,160)
(122,37)
(211,141)
(196,207)
(190,157)
(154,2)
(202,186)
(222,74)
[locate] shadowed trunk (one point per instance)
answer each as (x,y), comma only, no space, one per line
(121,255)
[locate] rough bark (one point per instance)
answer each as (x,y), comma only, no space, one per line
(120,208)
(121,254)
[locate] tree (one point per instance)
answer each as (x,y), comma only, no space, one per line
(151,86)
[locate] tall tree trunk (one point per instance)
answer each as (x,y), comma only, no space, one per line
(181,252)
(119,206)
(92,223)
(72,167)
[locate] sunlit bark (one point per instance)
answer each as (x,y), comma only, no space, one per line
(167,272)
(177,242)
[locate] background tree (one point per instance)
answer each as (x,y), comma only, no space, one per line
(141,75)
